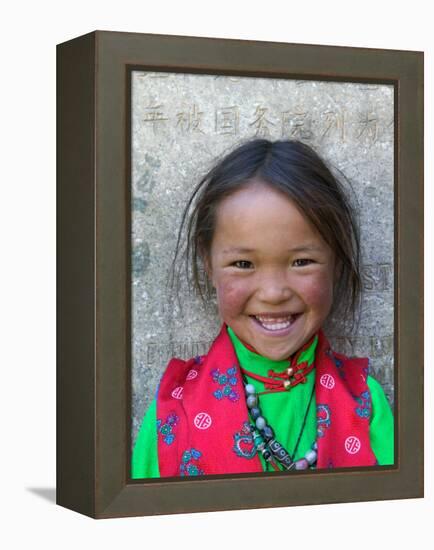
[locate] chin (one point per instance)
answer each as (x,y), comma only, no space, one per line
(275,355)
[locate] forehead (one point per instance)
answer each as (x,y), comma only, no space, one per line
(258,214)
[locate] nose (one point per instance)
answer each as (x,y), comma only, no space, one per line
(274,287)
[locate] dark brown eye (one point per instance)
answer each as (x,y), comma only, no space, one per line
(243,264)
(302,262)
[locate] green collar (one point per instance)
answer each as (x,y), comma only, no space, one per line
(259,365)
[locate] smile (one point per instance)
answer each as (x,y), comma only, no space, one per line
(275,323)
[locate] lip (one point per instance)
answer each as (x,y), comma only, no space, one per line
(276,333)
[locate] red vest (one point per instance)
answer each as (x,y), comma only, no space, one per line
(197,430)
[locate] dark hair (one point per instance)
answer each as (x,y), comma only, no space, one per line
(295,169)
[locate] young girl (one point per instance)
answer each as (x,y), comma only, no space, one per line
(277,238)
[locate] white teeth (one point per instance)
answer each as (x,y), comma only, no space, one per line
(275,324)
(275,319)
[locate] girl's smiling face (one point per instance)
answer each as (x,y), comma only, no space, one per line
(272,271)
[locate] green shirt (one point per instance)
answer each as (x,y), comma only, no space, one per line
(282,410)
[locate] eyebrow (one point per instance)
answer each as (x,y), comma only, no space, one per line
(237,250)
(241,250)
(305,248)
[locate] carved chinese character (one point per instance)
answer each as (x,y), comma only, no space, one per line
(334,124)
(261,123)
(368,123)
(190,121)
(155,116)
(227,121)
(297,124)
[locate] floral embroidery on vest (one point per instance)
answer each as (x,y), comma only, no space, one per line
(188,466)
(340,366)
(365,405)
(226,381)
(323,419)
(244,445)
(166,429)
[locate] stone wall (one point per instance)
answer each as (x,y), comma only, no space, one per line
(180,124)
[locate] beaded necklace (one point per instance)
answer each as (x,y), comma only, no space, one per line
(265,442)
(263,434)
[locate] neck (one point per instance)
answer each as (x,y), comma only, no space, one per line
(290,357)
(248,354)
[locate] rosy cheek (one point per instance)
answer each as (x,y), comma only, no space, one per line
(231,296)
(317,291)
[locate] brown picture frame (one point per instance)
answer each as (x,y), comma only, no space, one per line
(93,240)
